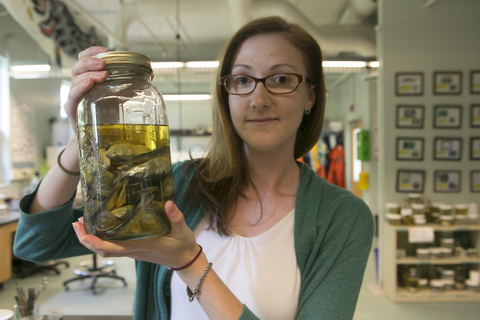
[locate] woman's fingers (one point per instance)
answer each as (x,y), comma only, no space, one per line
(91,51)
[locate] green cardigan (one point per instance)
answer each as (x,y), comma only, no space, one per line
(333,236)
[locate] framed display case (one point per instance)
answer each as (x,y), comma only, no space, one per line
(475,116)
(447,82)
(475,181)
(447,181)
(447,149)
(409,149)
(475,82)
(475,148)
(447,117)
(410,116)
(410,181)
(409,83)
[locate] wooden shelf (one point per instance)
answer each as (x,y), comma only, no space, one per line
(437,227)
(188,133)
(412,260)
(427,295)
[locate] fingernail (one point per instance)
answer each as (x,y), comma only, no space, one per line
(98,62)
(101,74)
(74,227)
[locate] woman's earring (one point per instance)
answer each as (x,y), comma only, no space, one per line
(307,111)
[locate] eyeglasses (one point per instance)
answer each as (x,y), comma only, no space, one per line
(280,83)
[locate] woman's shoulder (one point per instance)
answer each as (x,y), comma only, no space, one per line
(327,197)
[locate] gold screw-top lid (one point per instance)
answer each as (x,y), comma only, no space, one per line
(125,57)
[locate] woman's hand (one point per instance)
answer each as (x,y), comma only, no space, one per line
(85,73)
(174,250)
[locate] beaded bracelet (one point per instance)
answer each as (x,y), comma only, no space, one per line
(70,173)
(191,295)
(190,263)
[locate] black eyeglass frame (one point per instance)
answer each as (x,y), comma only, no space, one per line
(301,79)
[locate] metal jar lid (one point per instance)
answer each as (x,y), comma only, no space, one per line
(113,57)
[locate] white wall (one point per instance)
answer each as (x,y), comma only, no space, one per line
(412,38)
(442,37)
(355,99)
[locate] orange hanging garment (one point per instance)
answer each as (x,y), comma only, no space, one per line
(336,170)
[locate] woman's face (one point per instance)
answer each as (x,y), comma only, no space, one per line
(268,122)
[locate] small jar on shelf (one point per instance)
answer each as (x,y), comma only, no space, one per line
(412,280)
(447,242)
(423,284)
(392,207)
(423,253)
(419,219)
(447,253)
(437,285)
(449,284)
(394,219)
(415,198)
(407,216)
(446,220)
(461,209)
(436,253)
(446,210)
(460,219)
(418,208)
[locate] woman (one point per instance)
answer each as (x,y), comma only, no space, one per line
(284,243)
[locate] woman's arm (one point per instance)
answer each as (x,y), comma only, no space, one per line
(58,187)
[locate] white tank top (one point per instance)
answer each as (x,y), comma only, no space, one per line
(261,272)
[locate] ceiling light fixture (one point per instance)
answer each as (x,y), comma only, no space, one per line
(186,97)
(202,64)
(167,65)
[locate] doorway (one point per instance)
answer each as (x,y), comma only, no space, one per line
(356,165)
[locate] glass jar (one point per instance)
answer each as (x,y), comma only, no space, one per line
(394,219)
(423,253)
(407,216)
(460,219)
(414,198)
(461,209)
(472,285)
(418,209)
(392,207)
(446,220)
(419,219)
(124,149)
(437,285)
(423,283)
(446,210)
(411,281)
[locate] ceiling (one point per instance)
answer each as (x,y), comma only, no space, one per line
(194,30)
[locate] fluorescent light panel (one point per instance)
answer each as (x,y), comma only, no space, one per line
(186,97)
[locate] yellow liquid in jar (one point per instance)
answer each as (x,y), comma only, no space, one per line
(126,179)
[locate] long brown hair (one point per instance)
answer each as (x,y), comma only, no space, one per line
(222,174)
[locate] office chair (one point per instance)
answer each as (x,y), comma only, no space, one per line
(94,270)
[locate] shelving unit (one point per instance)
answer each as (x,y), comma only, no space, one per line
(391,263)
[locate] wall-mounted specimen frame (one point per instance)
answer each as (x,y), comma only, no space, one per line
(447,181)
(475,148)
(475,181)
(475,82)
(409,149)
(410,116)
(410,181)
(475,116)
(447,82)
(409,83)
(447,117)
(447,149)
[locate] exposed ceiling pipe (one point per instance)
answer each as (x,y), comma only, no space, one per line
(357,10)
(333,39)
(132,10)
(239,10)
